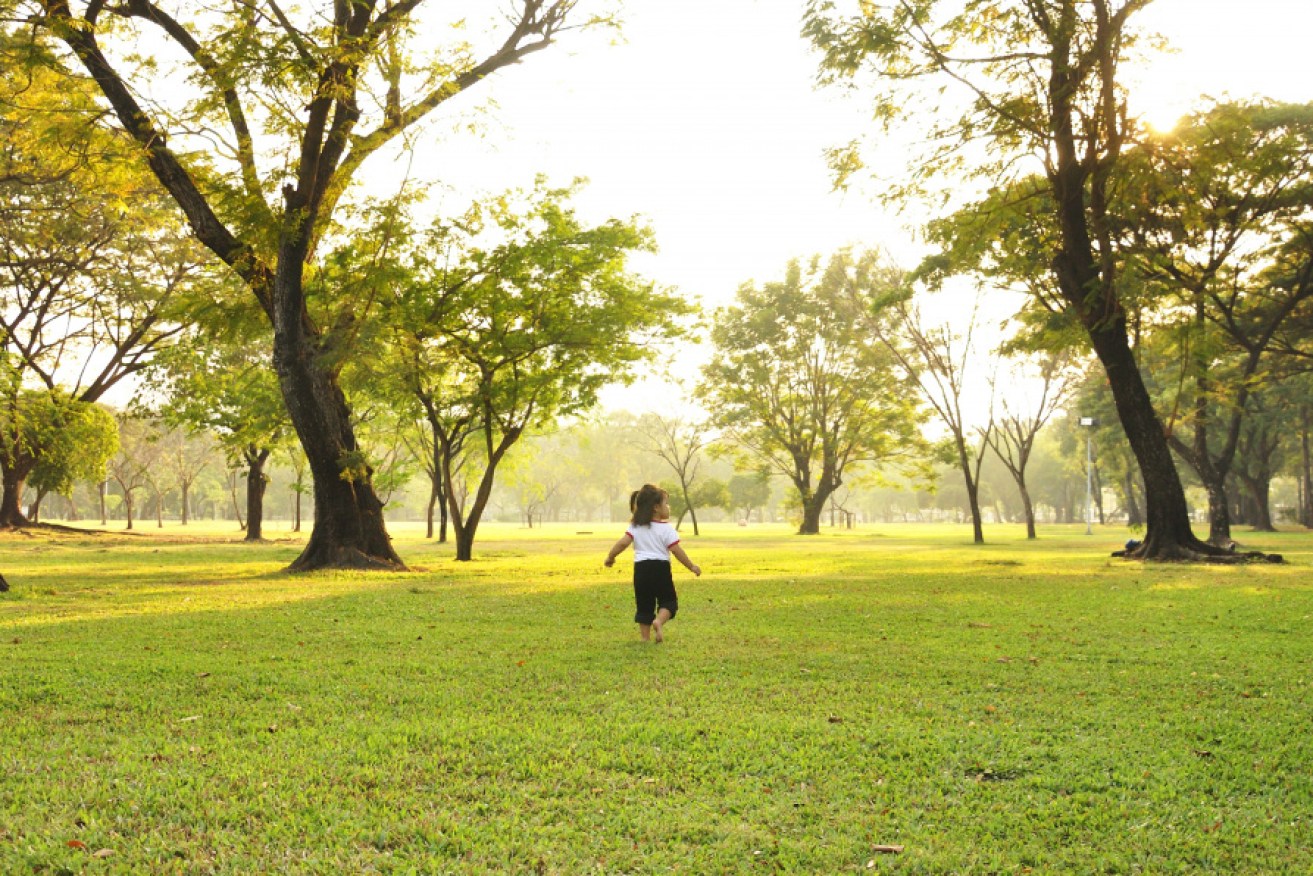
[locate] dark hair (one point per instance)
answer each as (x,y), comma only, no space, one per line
(643,502)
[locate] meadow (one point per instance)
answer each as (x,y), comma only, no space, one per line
(886,699)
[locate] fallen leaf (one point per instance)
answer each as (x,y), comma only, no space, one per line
(189,718)
(202,675)
(102,853)
(77,844)
(835,719)
(887,850)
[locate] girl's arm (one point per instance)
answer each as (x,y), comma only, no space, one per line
(617,549)
(683,558)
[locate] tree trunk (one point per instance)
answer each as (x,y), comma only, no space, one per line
(813,506)
(34,509)
(184,487)
(256,483)
(127,507)
(159,510)
(468,524)
(1134,517)
(1027,508)
(104,516)
(1219,510)
(435,492)
(977,525)
(348,530)
(11,502)
(237,508)
(433,504)
(1088,286)
(1306,473)
(1260,491)
(688,505)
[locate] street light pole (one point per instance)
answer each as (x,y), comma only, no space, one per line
(1089,423)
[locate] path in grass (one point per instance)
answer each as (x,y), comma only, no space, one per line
(188,708)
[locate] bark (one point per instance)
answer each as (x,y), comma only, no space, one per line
(466,525)
(1027,508)
(813,506)
(435,492)
(256,483)
(973,500)
(1306,467)
(1134,516)
(184,487)
(127,507)
(348,530)
(14,473)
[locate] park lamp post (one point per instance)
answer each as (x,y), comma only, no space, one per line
(1089,423)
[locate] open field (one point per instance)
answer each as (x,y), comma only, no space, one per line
(175,703)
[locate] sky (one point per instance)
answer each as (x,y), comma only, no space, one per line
(704,119)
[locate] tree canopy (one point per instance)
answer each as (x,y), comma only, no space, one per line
(798,379)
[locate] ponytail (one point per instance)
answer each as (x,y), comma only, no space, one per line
(643,502)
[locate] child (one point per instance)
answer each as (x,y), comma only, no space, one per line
(654,540)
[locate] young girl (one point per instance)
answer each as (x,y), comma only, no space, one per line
(654,540)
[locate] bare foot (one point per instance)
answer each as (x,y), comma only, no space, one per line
(656,634)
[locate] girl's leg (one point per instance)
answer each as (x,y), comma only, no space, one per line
(663,615)
(645,632)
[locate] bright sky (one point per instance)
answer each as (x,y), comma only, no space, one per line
(704,120)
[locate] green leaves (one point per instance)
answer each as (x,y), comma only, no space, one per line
(800,382)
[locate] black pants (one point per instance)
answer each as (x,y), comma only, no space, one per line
(654,588)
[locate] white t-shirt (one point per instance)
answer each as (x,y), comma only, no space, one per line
(653,542)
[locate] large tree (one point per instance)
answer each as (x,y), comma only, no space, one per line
(289,103)
(799,380)
(1217,218)
(1036,83)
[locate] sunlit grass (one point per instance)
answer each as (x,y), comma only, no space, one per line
(185,706)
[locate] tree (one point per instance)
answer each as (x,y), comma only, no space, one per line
(302,104)
(184,457)
(77,439)
(678,443)
(749,491)
(1037,83)
(131,466)
(801,384)
(1218,216)
(223,386)
(1022,417)
(494,342)
(92,266)
(937,358)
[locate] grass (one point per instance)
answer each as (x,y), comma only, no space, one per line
(180,705)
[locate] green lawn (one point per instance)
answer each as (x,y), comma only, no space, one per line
(180,705)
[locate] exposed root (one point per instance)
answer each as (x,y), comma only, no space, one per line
(315,559)
(1199,552)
